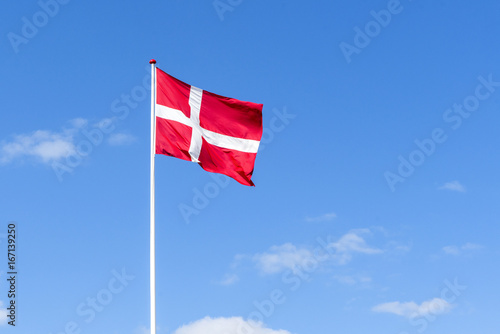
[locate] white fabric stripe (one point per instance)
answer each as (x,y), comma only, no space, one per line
(173,115)
(195,96)
(214,138)
(232,143)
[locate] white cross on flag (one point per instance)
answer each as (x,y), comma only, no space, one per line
(219,133)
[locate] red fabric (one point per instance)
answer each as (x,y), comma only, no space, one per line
(235,164)
(173,138)
(231,117)
(219,114)
(172,93)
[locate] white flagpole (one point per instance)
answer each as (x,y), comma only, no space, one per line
(152,263)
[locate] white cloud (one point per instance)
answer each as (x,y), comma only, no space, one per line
(147,330)
(117,139)
(350,244)
(106,123)
(456,250)
(47,146)
(471,246)
(402,248)
(234,325)
(411,310)
(452,250)
(279,258)
(142,330)
(322,218)
(53,146)
(78,122)
(352,280)
(3,314)
(229,279)
(290,256)
(43,145)
(453,186)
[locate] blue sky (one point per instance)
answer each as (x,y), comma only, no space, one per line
(375,206)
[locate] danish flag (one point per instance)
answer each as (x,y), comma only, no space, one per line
(219,133)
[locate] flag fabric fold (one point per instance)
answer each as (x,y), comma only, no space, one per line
(219,133)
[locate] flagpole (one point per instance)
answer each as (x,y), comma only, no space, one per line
(152,262)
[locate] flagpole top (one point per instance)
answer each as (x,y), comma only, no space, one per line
(152,61)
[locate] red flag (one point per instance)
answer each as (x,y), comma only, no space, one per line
(220,133)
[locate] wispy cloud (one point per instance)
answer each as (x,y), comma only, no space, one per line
(292,257)
(411,310)
(229,279)
(3,314)
(457,250)
(350,244)
(46,146)
(322,218)
(471,246)
(279,258)
(451,250)
(119,139)
(453,186)
(234,325)
(352,280)
(142,330)
(78,123)
(147,330)
(43,145)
